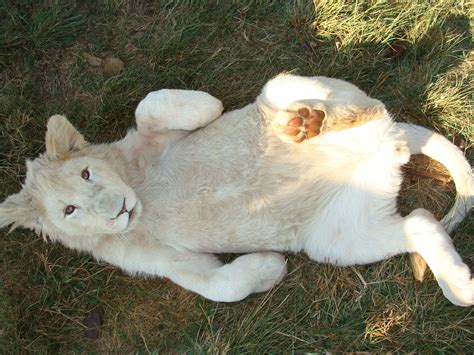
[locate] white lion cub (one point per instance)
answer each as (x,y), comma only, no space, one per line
(313,165)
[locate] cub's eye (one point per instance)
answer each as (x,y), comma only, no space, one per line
(85,174)
(69,210)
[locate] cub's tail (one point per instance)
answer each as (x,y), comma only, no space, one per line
(435,146)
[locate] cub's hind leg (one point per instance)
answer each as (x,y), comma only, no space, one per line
(428,238)
(418,232)
(300,108)
(305,119)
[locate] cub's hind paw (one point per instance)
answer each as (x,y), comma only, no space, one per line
(457,286)
(307,119)
(300,124)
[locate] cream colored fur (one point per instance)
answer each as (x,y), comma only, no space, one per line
(237,185)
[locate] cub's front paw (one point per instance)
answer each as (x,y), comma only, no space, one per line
(170,109)
(264,270)
(299,124)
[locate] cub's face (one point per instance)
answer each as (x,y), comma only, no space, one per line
(68,194)
(84,196)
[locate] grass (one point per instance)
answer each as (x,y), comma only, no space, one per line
(415,56)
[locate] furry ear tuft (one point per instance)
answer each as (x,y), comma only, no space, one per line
(62,138)
(19,211)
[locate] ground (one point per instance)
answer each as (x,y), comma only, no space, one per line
(414,56)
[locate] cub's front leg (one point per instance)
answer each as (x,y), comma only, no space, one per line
(199,272)
(306,119)
(166,115)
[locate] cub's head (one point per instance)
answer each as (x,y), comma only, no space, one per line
(69,194)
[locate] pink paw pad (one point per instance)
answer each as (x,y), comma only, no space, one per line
(304,124)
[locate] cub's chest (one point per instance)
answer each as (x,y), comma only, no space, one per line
(227,152)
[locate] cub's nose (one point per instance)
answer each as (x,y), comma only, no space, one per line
(110,204)
(124,208)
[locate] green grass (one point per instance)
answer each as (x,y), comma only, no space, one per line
(413,55)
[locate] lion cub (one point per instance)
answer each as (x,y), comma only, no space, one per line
(313,165)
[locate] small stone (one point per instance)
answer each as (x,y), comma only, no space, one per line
(92,60)
(113,66)
(93,322)
(459,142)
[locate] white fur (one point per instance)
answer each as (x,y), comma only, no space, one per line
(236,186)
(421,140)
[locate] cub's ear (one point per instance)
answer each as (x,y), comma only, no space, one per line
(62,138)
(18,210)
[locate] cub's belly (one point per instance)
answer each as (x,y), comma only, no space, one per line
(235,187)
